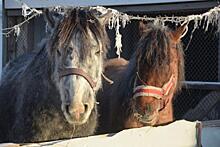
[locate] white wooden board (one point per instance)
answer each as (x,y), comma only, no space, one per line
(178,134)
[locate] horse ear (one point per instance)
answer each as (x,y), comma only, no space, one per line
(142,28)
(48,18)
(51,17)
(181,31)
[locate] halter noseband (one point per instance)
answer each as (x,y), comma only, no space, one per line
(157,92)
(79,72)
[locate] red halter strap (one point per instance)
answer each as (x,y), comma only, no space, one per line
(157,92)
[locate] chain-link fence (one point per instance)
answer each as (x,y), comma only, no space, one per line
(201,56)
(31,33)
(18,45)
(201,64)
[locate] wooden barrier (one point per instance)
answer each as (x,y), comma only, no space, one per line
(177,134)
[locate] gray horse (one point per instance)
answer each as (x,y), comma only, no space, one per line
(50,93)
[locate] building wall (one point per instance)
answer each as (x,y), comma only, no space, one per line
(1,51)
(12,4)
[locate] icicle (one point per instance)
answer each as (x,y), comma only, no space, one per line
(59,10)
(125,18)
(118,37)
(194,28)
(17,30)
(114,22)
(186,30)
(156,21)
(172,20)
(26,11)
(218,23)
(199,22)
(206,19)
(196,19)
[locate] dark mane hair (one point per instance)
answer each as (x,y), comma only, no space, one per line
(83,20)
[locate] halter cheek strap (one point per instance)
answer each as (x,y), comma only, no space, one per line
(157,92)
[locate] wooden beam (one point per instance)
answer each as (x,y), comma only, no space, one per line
(150,8)
(201,85)
(12,4)
(168,7)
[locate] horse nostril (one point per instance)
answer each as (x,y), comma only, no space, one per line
(86,106)
(67,107)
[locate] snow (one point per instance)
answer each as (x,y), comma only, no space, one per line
(177,134)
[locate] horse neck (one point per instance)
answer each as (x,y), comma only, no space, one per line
(131,70)
(128,80)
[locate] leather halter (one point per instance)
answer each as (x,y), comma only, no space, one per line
(157,92)
(78,72)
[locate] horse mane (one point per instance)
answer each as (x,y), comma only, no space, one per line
(181,67)
(17,68)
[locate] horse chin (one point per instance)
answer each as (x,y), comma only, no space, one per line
(80,121)
(147,120)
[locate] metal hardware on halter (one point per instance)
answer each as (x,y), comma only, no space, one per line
(157,92)
(79,72)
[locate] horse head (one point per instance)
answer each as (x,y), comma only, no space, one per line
(77,49)
(159,70)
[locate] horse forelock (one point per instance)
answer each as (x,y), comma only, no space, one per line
(79,21)
(153,50)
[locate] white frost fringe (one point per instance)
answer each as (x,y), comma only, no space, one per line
(114,22)
(211,18)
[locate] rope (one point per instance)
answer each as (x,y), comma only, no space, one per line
(107,79)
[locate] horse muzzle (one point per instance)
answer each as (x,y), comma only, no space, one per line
(77,113)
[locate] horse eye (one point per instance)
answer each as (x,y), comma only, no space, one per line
(70,50)
(97,52)
(59,53)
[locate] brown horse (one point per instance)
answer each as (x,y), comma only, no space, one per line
(144,86)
